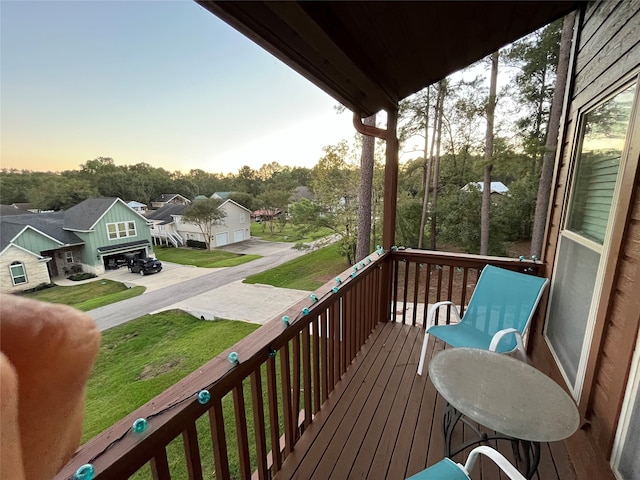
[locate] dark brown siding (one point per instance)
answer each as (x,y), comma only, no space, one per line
(608,55)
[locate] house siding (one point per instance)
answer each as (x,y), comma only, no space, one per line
(100,238)
(36,270)
(607,55)
(35,242)
(237,218)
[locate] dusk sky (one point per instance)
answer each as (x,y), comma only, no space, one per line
(161,82)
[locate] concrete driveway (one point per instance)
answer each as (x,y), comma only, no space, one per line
(207,292)
(171,274)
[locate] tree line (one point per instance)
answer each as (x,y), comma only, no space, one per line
(470,131)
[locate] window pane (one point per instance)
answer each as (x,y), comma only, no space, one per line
(122,230)
(603,138)
(570,303)
(630,460)
(18,274)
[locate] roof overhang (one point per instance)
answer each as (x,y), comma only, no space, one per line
(369,55)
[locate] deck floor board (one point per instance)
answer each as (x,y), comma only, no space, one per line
(384,421)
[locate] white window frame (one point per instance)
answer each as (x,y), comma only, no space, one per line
(124,229)
(69,256)
(13,276)
(603,250)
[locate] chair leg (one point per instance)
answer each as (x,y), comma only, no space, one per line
(424,353)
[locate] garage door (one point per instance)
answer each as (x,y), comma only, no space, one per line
(222,239)
(238,235)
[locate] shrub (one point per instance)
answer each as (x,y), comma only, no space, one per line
(42,286)
(81,276)
(196,244)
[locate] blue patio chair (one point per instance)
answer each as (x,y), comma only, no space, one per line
(497,317)
(447,469)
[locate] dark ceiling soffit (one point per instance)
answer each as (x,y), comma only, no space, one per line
(320,40)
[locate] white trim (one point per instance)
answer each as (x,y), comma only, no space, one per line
(110,207)
(18,263)
(630,399)
(117,230)
(39,257)
(235,203)
(604,249)
(29,227)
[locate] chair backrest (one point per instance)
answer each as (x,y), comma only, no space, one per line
(503,299)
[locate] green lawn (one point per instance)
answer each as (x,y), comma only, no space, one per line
(144,357)
(288,234)
(304,273)
(87,296)
(202,258)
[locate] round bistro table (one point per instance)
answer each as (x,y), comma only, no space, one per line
(503,394)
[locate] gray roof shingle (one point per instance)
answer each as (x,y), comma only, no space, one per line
(164,214)
(50,224)
(84,215)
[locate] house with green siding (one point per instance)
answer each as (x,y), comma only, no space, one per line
(95,235)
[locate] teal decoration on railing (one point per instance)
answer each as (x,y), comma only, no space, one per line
(353,274)
(338,280)
(313,298)
(368,260)
(534,258)
(361,264)
(233,358)
(140,425)
(521,258)
(285,320)
(204,396)
(394,248)
(85,472)
(305,311)
(334,289)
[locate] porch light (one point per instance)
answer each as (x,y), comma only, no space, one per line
(85,472)
(204,396)
(285,320)
(140,425)
(233,358)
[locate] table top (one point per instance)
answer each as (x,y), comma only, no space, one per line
(504,394)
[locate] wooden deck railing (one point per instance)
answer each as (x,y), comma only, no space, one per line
(257,408)
(421,278)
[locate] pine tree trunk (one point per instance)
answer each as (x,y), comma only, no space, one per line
(364,192)
(546,175)
(488,157)
(425,176)
(436,166)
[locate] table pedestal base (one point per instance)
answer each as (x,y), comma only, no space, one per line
(526,453)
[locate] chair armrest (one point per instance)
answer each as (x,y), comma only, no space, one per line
(434,309)
(504,464)
(508,331)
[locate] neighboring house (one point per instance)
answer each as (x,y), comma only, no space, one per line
(141,208)
(6,210)
(222,195)
(265,214)
(163,226)
(168,226)
(95,235)
(496,187)
(301,192)
(170,198)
